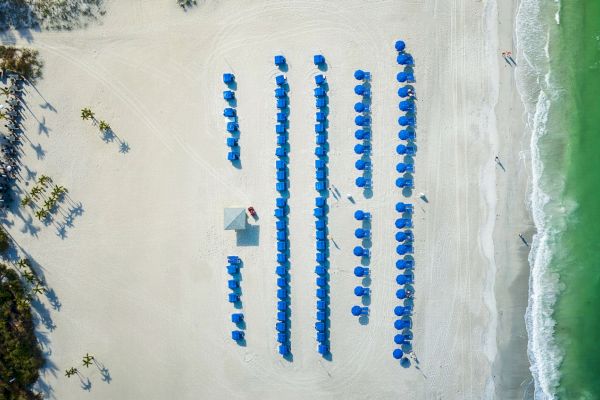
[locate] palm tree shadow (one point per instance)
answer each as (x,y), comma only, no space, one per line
(86,384)
(105,375)
(124,147)
(39,152)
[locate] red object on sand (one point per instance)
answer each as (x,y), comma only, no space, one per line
(252,211)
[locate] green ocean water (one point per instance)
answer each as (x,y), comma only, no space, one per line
(575,65)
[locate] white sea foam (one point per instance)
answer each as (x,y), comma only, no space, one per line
(534,79)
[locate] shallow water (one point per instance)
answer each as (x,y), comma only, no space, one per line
(560,86)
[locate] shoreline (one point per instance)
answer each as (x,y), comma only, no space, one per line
(510,371)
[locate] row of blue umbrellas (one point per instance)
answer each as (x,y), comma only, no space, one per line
(363,133)
(281,209)
(404,235)
(320,213)
(230,113)
(363,232)
(233,268)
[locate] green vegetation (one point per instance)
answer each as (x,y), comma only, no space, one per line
(21,60)
(87,360)
(104,126)
(87,113)
(4,241)
(20,354)
(39,199)
(186,3)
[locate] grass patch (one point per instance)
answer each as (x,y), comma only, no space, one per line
(22,60)
(20,354)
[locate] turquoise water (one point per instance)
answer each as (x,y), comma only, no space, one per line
(560,86)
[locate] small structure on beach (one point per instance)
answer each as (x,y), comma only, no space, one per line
(234,218)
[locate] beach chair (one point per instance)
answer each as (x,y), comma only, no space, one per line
(318,59)
(319,79)
(320,201)
(228,78)
(279,61)
(319,92)
(321,235)
(280,93)
(280,271)
(233,298)
(232,126)
(281,327)
(321,293)
(228,95)
(231,142)
(282,305)
(321,316)
(320,326)
(320,224)
(282,283)
(321,139)
(280,202)
(233,269)
(318,212)
(281,235)
(320,151)
(361,291)
(280,80)
(321,305)
(319,128)
(237,318)
(321,102)
(358,311)
(320,186)
(282,294)
(321,282)
(279,213)
(237,335)
(229,112)
(320,116)
(321,245)
(280,165)
(280,128)
(281,258)
(233,284)
(281,117)
(281,245)
(320,164)
(234,260)
(359,272)
(280,151)
(281,103)
(281,225)
(284,350)
(281,187)
(282,316)
(281,139)
(320,270)
(232,156)
(321,257)
(282,337)
(280,175)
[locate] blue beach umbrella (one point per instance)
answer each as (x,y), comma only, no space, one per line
(359,74)
(359,90)
(406,121)
(403,279)
(397,354)
(361,165)
(401,236)
(401,167)
(359,107)
(404,91)
(399,339)
(401,149)
(359,215)
(360,233)
(361,181)
(402,223)
(406,105)
(360,148)
(358,251)
(400,45)
(402,249)
(401,76)
(360,134)
(401,207)
(401,294)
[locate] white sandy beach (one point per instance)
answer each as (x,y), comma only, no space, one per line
(140,274)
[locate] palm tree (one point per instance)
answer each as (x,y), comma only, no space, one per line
(39,289)
(71,371)
(87,360)
(29,277)
(5,91)
(104,126)
(25,200)
(35,191)
(87,113)
(24,263)
(2,116)
(41,214)
(44,180)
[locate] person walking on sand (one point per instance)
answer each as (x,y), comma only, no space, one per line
(504,55)
(510,57)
